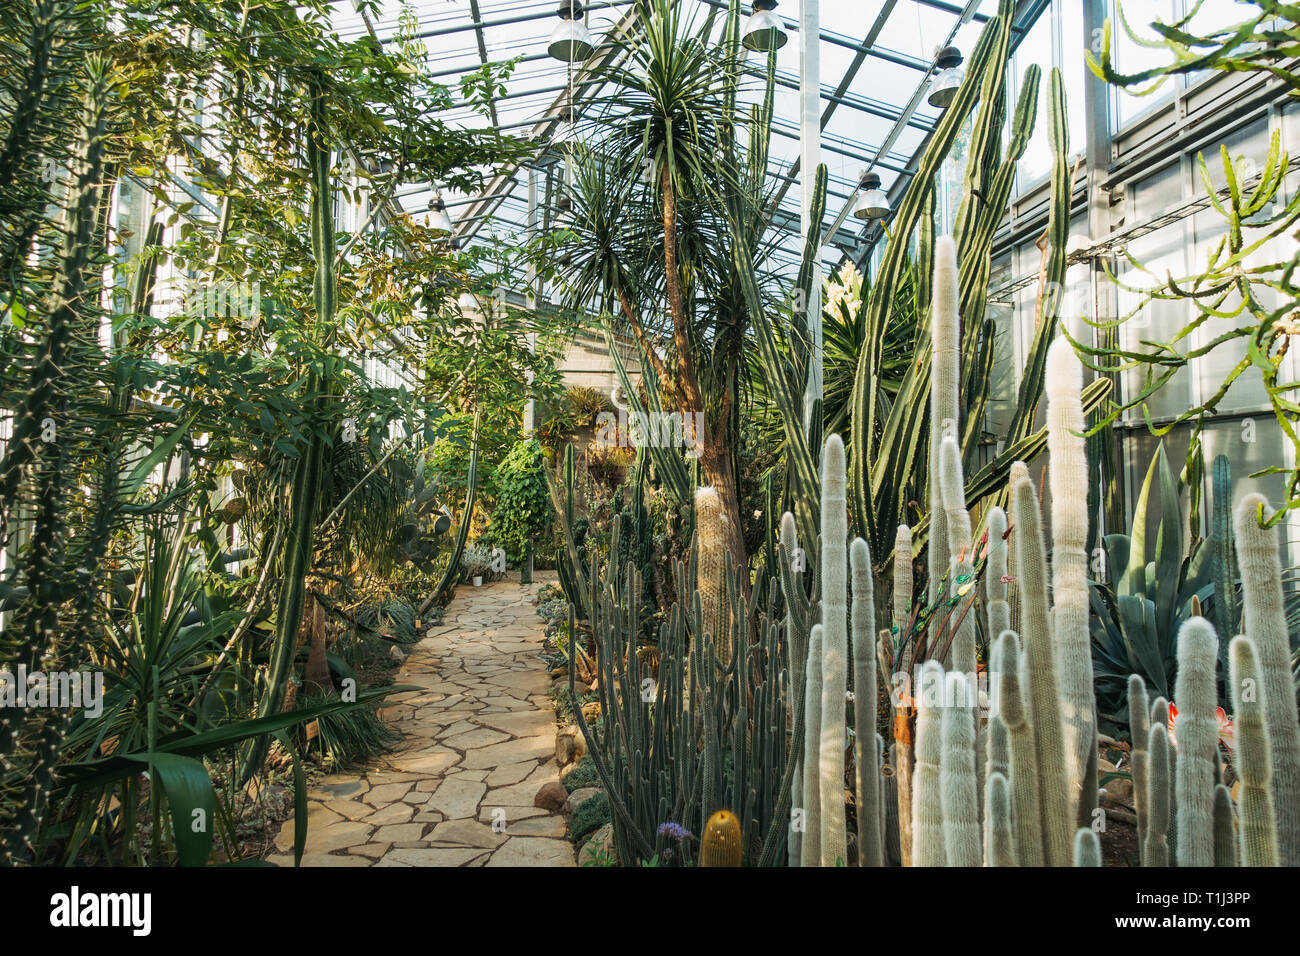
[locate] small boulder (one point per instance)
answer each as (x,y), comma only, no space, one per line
(564,748)
(551,796)
(598,847)
(578,798)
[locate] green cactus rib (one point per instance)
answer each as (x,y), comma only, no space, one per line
(1139,726)
(927,807)
(1226,616)
(1225,830)
(1264,622)
(1155,850)
(810,849)
(1070,636)
(833,567)
(958,783)
(1087,847)
(1256,813)
(999,842)
(1026,814)
(1196,728)
(1057,805)
(862,624)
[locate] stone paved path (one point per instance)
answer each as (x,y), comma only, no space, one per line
(480,742)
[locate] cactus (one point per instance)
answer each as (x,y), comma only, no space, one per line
(1225,832)
(1264,622)
(1139,725)
(961,560)
(796,630)
(1087,847)
(1057,805)
(863,622)
(995,584)
(711,568)
(833,568)
(945,415)
(1225,556)
(902,751)
(1197,731)
(1025,804)
(927,808)
(1155,849)
(999,843)
(1070,637)
(810,850)
(720,843)
(902,579)
(1257,818)
(958,785)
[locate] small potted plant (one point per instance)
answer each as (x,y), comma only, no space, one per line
(475,563)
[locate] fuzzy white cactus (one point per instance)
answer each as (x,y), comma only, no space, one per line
(945,385)
(862,624)
(1196,728)
(810,847)
(927,806)
(833,568)
(958,784)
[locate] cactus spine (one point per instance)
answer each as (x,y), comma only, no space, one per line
(1225,835)
(810,850)
(720,843)
(1257,819)
(1066,446)
(867,759)
(999,844)
(1264,622)
(958,786)
(1197,732)
(711,569)
(945,382)
(1155,851)
(1025,805)
(1057,805)
(834,575)
(1139,727)
(927,807)
(796,630)
(1087,847)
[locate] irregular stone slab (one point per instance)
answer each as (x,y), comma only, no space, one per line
(457,798)
(386,794)
(527,724)
(428,761)
(473,739)
(393,813)
(400,832)
(372,850)
(509,773)
(465,833)
(533,851)
(512,751)
(337,836)
(432,856)
(318,859)
(549,826)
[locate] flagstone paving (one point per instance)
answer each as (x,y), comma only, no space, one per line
(480,743)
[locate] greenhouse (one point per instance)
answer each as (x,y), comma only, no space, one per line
(648,433)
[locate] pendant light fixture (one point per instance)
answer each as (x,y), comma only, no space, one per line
(570,40)
(437,219)
(872,202)
(944,86)
(763,30)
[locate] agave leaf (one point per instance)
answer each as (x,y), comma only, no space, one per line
(190,799)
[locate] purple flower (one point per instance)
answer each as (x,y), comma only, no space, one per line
(675,830)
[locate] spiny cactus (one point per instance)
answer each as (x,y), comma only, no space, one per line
(1057,803)
(960,559)
(1155,850)
(720,843)
(945,381)
(863,621)
(1026,814)
(1070,637)
(927,807)
(711,568)
(1225,830)
(1257,818)
(796,630)
(999,843)
(1264,622)
(958,785)
(1087,847)
(902,749)
(810,848)
(833,568)
(902,578)
(1197,731)
(995,585)
(1139,726)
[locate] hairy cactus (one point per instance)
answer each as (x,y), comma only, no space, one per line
(1155,850)
(1087,847)
(1139,726)
(961,560)
(958,785)
(927,807)
(720,843)
(834,577)
(1057,803)
(902,578)
(1070,637)
(1257,819)
(1264,622)
(796,630)
(945,382)
(810,849)
(711,569)
(1197,731)
(863,621)
(1026,814)
(999,843)
(995,585)
(902,750)
(1225,831)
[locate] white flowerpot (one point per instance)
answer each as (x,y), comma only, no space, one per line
(478,580)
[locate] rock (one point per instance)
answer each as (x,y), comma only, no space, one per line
(578,798)
(579,688)
(561,673)
(551,796)
(600,845)
(395,653)
(564,748)
(580,748)
(591,711)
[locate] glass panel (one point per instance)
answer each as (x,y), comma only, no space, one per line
(1132,57)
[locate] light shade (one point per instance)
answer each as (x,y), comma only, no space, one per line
(872,202)
(946,82)
(571,40)
(763,30)
(437,219)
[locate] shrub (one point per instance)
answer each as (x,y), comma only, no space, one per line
(523,508)
(583,775)
(591,815)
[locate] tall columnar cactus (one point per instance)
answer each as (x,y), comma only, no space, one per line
(1070,637)
(999,757)
(1225,830)
(995,584)
(711,568)
(927,806)
(1087,847)
(810,849)
(999,842)
(1155,850)
(958,784)
(796,630)
(960,564)
(1197,731)
(1257,817)
(1057,803)
(945,382)
(863,623)
(833,567)
(902,749)
(1264,622)
(902,578)
(1225,556)
(1026,813)
(1139,725)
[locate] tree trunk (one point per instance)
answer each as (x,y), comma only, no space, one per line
(316,675)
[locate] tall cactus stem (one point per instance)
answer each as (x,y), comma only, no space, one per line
(1155,852)
(1225,828)
(863,624)
(927,807)
(1256,813)
(835,607)
(1197,731)
(810,849)
(1087,847)
(945,383)
(958,784)
(1026,815)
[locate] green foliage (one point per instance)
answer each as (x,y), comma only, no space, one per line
(592,814)
(582,775)
(522,514)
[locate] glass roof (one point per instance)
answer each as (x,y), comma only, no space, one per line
(876,60)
